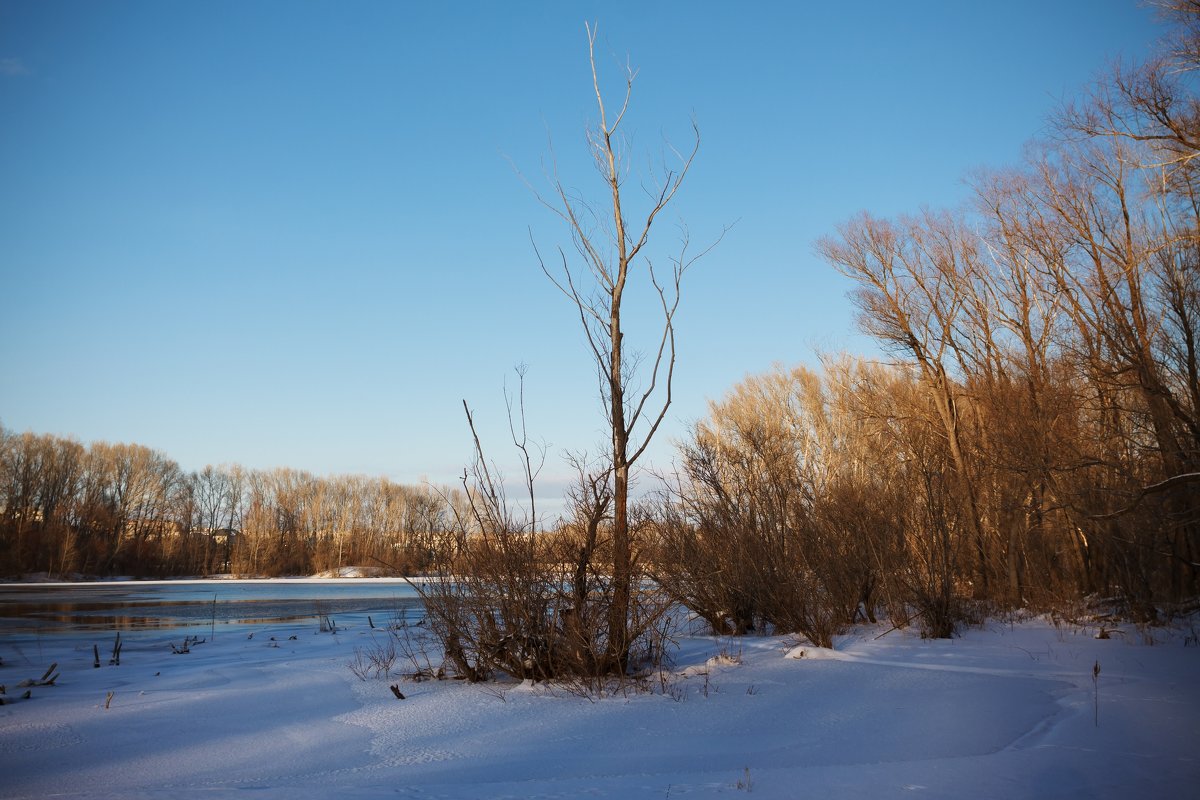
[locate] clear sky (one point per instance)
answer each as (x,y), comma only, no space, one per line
(291,233)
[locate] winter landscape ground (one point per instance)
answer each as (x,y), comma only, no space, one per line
(1008,710)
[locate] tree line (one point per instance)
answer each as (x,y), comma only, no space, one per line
(1035,437)
(125,509)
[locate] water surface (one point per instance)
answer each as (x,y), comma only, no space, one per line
(145,605)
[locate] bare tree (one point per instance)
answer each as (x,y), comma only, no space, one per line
(914,276)
(612,255)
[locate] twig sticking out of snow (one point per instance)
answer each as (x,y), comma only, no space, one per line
(188,641)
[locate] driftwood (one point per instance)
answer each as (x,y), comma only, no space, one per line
(48,678)
(186,647)
(6,700)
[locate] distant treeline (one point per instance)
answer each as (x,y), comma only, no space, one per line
(124,509)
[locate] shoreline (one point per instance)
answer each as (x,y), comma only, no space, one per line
(215,579)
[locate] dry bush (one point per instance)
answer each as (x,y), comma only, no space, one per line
(535,604)
(511,607)
(806,503)
(765,526)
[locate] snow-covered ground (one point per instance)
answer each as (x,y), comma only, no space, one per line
(1007,711)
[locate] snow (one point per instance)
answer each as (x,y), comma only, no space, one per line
(355,572)
(1005,711)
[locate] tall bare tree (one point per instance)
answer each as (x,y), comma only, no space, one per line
(611,257)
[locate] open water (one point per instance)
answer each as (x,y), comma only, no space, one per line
(214,604)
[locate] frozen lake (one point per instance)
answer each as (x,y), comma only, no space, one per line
(36,609)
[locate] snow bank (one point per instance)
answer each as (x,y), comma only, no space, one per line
(355,572)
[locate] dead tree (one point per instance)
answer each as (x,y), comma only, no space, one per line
(611,259)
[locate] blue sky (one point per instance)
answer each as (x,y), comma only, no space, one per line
(291,233)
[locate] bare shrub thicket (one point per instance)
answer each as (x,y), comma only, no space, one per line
(744,542)
(532,604)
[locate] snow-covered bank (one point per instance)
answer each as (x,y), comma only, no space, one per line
(1004,712)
